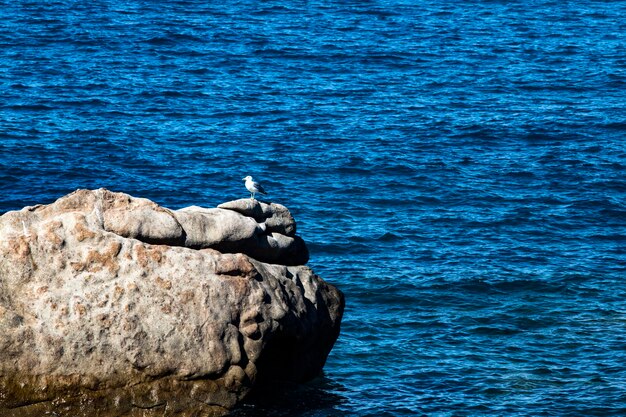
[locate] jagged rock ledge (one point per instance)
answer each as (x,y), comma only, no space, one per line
(111,305)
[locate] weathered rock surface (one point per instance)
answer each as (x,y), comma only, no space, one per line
(111,305)
(229,228)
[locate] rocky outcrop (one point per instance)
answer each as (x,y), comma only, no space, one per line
(111,305)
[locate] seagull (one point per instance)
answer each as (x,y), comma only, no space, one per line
(253,186)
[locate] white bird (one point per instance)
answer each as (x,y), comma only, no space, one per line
(253,186)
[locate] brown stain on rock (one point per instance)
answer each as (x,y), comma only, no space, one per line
(50,234)
(117,292)
(20,246)
(97,261)
(80,309)
(156,254)
(20,249)
(186,296)
(235,265)
(81,232)
(163,283)
(144,254)
(141,255)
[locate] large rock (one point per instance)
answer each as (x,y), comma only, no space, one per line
(111,305)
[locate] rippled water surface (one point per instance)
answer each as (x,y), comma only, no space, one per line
(457,169)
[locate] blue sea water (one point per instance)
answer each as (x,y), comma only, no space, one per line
(456,168)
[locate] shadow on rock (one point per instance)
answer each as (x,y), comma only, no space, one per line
(320,397)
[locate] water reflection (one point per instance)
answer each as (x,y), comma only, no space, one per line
(320,397)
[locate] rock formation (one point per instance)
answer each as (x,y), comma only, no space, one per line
(111,305)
